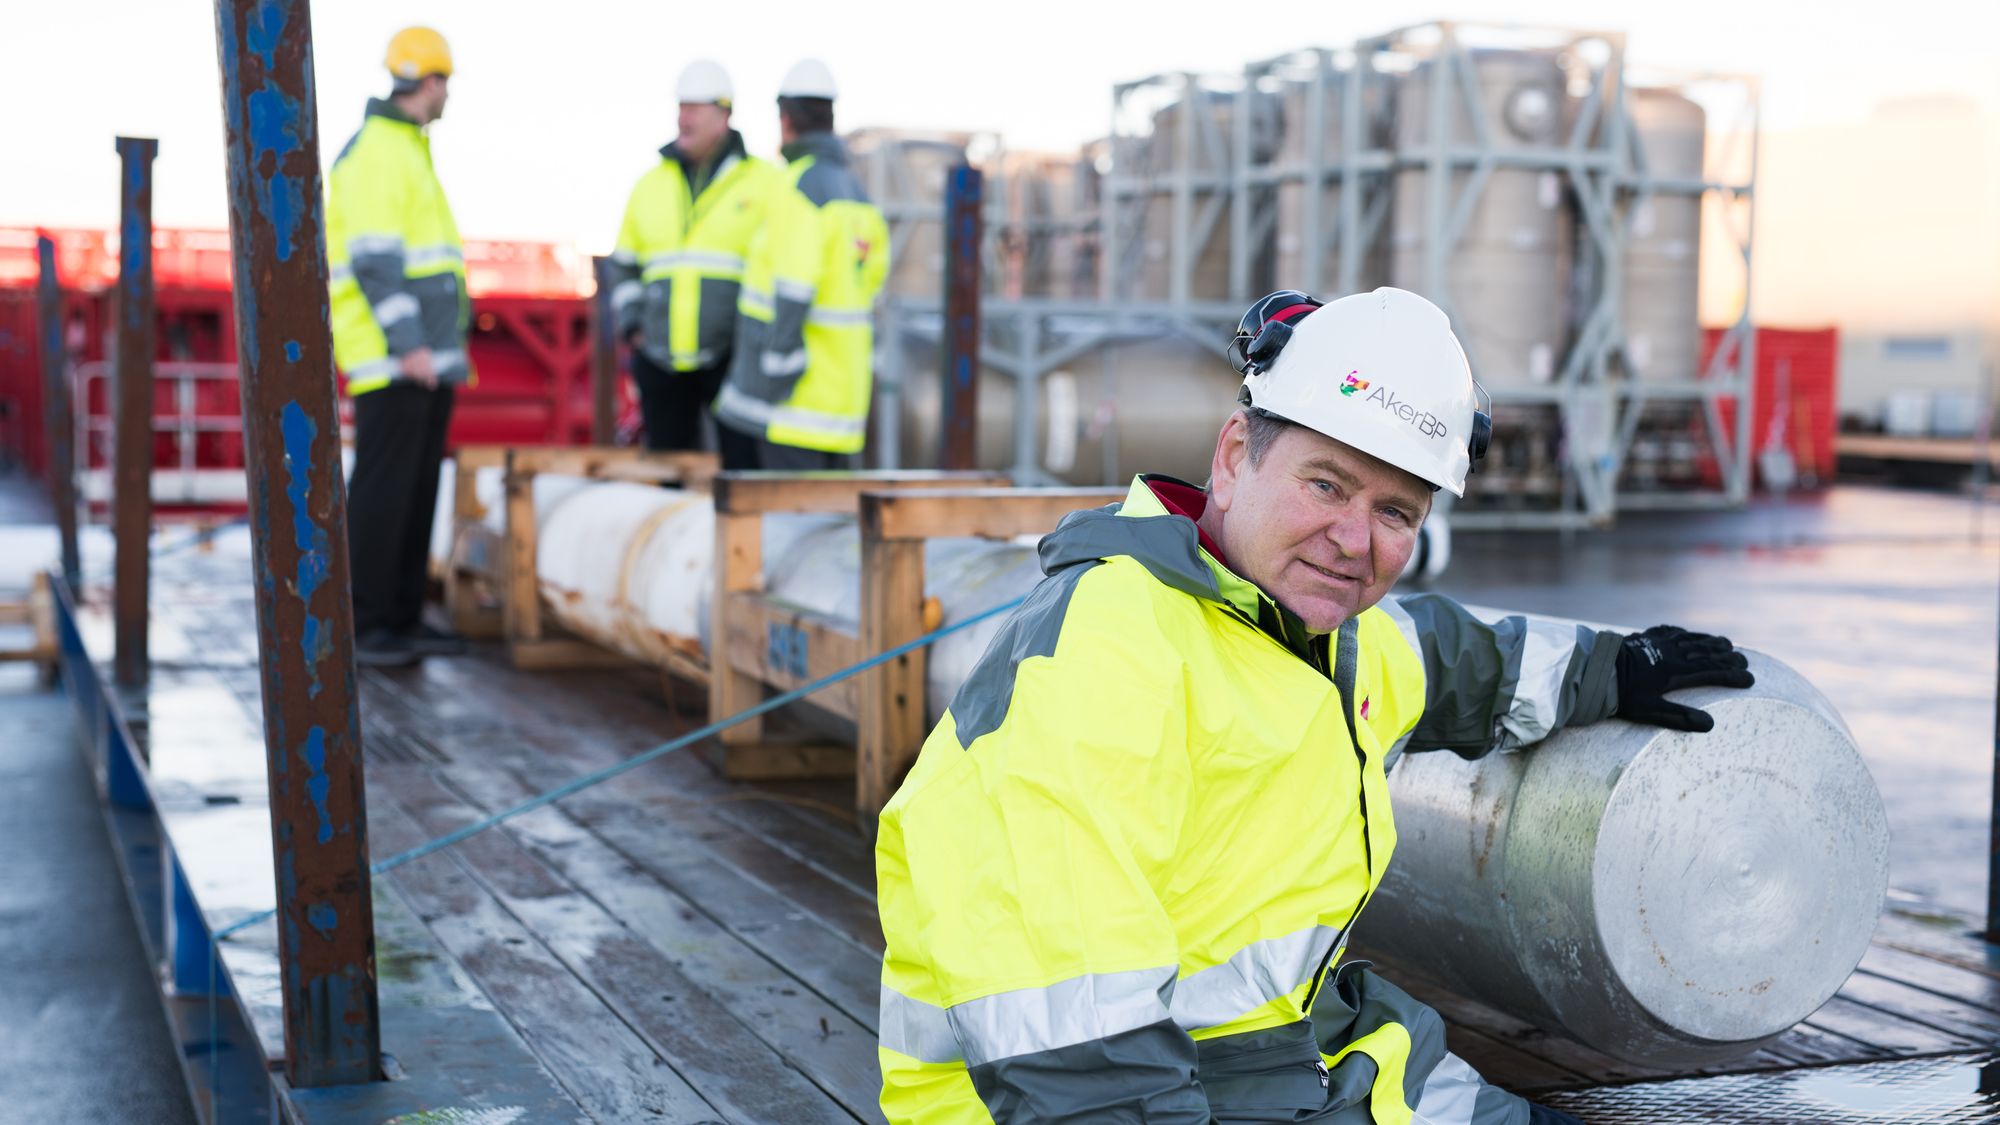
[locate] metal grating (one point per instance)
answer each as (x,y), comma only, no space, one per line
(1944,1089)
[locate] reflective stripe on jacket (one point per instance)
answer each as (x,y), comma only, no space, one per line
(803,367)
(680,255)
(1117,882)
(396,276)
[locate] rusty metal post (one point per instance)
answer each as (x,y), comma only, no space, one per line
(603,357)
(298,526)
(132,476)
(57,413)
(964,200)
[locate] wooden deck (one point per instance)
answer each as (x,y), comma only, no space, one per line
(672,946)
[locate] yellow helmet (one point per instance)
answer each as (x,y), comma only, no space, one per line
(417,52)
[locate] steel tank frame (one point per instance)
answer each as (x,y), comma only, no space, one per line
(1596,405)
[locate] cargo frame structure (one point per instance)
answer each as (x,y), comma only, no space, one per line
(1217,195)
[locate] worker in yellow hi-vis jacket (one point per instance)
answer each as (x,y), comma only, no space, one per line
(803,371)
(679,259)
(1119,881)
(398,302)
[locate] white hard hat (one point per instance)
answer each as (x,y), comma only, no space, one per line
(808,78)
(705,81)
(1380,371)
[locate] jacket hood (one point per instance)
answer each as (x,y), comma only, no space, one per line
(1169,546)
(824,147)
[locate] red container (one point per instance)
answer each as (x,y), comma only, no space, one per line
(1797,387)
(530,348)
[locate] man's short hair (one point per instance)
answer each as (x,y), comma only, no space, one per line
(807,115)
(1263,428)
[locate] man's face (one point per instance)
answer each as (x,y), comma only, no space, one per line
(703,125)
(436,91)
(1321,527)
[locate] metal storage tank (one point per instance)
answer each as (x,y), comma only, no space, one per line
(1662,274)
(1145,406)
(1046,211)
(1206,155)
(1294,151)
(1507,271)
(904,173)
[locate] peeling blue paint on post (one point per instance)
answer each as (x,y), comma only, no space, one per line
(317,783)
(298,522)
(323,918)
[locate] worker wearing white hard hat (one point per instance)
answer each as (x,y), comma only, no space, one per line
(678,263)
(800,382)
(1119,881)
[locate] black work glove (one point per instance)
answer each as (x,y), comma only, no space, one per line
(1667,658)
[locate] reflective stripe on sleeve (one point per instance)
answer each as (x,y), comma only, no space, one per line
(394,310)
(1078,1010)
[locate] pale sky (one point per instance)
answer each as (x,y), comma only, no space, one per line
(556,108)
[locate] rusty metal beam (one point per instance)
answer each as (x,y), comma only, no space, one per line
(964,200)
(298,524)
(603,357)
(132,473)
(58,414)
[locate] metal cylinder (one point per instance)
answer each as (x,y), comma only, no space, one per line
(1506,270)
(1663,241)
(1671,899)
(1143,406)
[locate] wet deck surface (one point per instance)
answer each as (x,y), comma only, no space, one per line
(675,947)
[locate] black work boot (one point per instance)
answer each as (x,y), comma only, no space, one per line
(380,648)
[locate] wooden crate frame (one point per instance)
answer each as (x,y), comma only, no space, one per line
(37,611)
(518,618)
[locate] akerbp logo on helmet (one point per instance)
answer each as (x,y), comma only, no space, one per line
(1423,421)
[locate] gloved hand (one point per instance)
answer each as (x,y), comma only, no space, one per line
(1667,658)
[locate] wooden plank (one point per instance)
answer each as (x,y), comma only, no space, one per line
(599,1060)
(705,1044)
(892,713)
(468,459)
(1955,1017)
(670,839)
(829,1046)
(1949,451)
(1871,1025)
(1943,978)
(1508,1066)
(1808,1046)
(745,493)
(695,475)
(739,569)
(520,602)
(784,649)
(1553,1048)
(785,761)
(992,513)
(607,461)
(563,654)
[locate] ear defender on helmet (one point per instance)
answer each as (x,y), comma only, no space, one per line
(1264,331)
(1481,437)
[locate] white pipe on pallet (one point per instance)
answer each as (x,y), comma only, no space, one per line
(1662,897)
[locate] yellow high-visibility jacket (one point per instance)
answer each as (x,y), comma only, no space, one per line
(803,368)
(396,268)
(1118,881)
(679,260)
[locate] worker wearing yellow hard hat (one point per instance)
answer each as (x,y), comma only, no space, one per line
(679,260)
(1119,882)
(397,299)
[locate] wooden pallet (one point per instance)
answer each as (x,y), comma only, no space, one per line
(36,614)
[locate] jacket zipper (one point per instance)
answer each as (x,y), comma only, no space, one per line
(1346,654)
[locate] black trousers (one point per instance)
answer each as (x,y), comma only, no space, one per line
(398,444)
(674,402)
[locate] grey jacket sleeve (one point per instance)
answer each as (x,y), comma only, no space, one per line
(784,354)
(627,293)
(378,268)
(1506,683)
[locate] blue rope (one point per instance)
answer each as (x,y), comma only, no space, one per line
(587,780)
